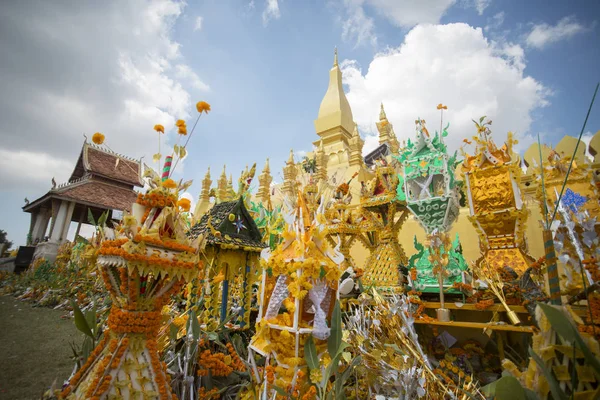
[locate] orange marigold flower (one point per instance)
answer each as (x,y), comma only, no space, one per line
(159,128)
(202,106)
(98,138)
(182,130)
(169,184)
(185,204)
(219,278)
(180,122)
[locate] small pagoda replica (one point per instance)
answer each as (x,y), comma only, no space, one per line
(384,215)
(149,259)
(233,246)
(298,293)
(492,177)
(431,193)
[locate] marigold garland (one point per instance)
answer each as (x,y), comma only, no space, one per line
(152,260)
(123,321)
(154,199)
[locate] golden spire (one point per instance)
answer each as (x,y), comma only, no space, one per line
(335,110)
(335,57)
(356,148)
(321,159)
(204,198)
(382,115)
(222,192)
(290,172)
(264,188)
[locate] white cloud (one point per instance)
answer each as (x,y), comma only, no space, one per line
(544,34)
(495,22)
(357,26)
(184,72)
(371,143)
(120,80)
(35,167)
(271,11)
(481,5)
(408,13)
(198,23)
(453,64)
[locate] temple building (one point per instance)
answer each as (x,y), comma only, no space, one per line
(102,181)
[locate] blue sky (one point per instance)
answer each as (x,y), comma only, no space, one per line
(120,67)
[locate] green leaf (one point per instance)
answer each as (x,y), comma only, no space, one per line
(102,219)
(86,348)
(173,331)
(509,388)
(555,389)
(91,219)
(346,356)
(530,394)
(193,326)
(310,353)
(481,119)
(80,321)
(322,273)
(335,337)
(90,317)
(346,374)
(565,328)
(559,321)
(335,362)
(280,391)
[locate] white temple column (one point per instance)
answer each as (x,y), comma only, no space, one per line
(40,226)
(62,222)
(35,217)
(68,217)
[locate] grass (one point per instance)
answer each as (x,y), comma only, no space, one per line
(34,349)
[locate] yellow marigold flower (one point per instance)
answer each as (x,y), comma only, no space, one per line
(159,128)
(180,122)
(182,130)
(202,106)
(184,204)
(169,184)
(98,138)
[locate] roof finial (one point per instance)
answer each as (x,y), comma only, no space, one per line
(335,57)
(382,115)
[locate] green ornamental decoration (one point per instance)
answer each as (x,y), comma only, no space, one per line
(432,195)
(426,281)
(428,183)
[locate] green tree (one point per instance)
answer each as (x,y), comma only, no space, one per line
(4,241)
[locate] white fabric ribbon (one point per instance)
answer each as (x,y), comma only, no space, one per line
(280,293)
(317,295)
